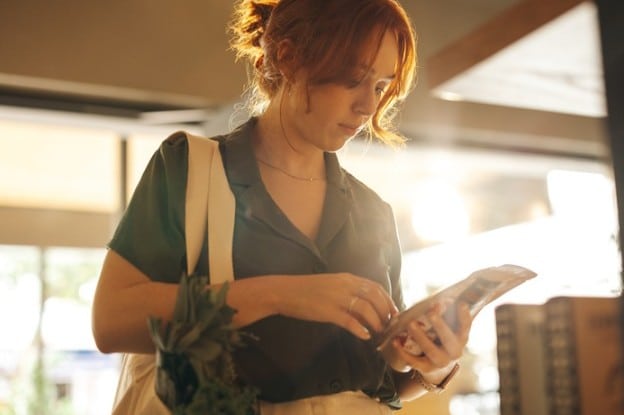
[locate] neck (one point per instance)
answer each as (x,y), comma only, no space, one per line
(277,145)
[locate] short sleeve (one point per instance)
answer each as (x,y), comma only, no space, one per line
(150,234)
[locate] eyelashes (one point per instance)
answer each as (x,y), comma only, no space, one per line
(380,88)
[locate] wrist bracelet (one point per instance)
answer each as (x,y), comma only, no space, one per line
(432,387)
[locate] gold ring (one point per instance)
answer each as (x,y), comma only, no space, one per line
(363,290)
(352,303)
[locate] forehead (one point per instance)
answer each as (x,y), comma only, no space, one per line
(383,63)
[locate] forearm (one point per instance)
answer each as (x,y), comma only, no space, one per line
(125,298)
(119,318)
(123,325)
(253,299)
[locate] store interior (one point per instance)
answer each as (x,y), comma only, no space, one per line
(508,160)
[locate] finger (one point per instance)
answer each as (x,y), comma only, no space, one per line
(437,354)
(378,298)
(365,312)
(421,362)
(348,322)
(394,310)
(448,340)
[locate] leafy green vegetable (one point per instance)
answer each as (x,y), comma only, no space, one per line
(195,370)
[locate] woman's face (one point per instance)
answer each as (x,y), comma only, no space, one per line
(326,116)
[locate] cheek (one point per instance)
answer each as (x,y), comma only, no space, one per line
(319,115)
(330,101)
(327,115)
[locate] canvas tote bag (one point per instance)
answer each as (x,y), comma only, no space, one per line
(209,201)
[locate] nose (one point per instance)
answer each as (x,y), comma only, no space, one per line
(366,102)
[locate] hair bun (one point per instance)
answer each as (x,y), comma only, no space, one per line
(263,11)
(248,26)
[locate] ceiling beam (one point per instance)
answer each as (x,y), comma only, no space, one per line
(539,54)
(493,36)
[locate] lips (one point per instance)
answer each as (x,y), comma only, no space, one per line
(350,129)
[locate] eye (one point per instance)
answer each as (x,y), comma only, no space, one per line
(380,89)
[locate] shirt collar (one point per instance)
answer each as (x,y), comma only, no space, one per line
(244,177)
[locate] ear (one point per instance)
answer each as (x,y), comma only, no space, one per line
(286,55)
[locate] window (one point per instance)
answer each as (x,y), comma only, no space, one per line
(49,359)
(65,173)
(58,167)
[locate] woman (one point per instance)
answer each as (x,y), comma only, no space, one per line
(316,256)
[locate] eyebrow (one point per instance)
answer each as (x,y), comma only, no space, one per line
(370,70)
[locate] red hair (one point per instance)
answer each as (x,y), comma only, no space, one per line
(331,39)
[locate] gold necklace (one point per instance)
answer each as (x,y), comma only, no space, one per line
(303,179)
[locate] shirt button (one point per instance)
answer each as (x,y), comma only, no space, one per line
(335,386)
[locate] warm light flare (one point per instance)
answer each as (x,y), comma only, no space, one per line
(439,213)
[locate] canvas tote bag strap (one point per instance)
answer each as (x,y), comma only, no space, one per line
(210,205)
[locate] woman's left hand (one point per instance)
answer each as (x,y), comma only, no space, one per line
(437,357)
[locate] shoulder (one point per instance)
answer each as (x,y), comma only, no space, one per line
(179,141)
(174,149)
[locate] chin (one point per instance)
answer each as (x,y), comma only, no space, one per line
(337,145)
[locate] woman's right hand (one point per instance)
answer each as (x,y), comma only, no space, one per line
(354,303)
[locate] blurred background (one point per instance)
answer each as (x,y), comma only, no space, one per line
(507,162)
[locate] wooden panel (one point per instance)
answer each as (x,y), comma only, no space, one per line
(145,50)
